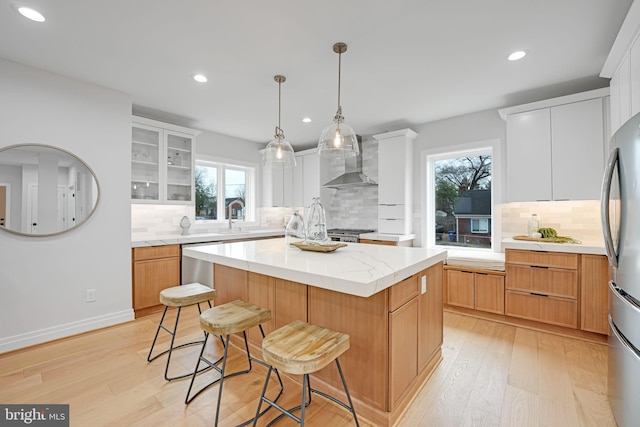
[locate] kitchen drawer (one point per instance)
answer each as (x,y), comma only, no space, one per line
(543,280)
(556,311)
(403,291)
(391,211)
(542,259)
(155,252)
(391,226)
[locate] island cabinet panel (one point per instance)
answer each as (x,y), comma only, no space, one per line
(594,294)
(403,349)
(430,321)
(154,268)
(402,292)
(260,291)
(230,284)
(290,303)
(366,363)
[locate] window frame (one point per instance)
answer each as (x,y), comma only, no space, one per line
(427,180)
(222,165)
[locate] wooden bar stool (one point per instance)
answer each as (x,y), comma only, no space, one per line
(301,348)
(179,296)
(224,320)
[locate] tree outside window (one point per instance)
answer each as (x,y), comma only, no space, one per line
(463,201)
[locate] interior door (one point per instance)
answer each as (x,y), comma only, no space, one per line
(3,205)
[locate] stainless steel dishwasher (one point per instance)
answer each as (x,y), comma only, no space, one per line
(195,270)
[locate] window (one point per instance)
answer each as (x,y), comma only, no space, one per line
(479,225)
(460,198)
(224,188)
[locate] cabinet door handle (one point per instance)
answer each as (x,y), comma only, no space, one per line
(538,295)
(539,266)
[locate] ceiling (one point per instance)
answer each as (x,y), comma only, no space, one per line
(408,61)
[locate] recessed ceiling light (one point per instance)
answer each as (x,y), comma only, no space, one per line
(200,78)
(29,13)
(519,54)
(306,119)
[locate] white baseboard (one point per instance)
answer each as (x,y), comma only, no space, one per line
(16,342)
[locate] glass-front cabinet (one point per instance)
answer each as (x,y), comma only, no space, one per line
(162,162)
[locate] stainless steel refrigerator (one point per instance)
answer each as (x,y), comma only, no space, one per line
(620,207)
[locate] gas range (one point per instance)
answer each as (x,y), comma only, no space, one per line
(350,235)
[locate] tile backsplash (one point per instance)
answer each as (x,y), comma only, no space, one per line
(577,219)
(164,219)
(354,207)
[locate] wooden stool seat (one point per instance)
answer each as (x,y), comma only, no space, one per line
(302,348)
(233,317)
(182,296)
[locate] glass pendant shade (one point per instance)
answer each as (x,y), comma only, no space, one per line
(338,141)
(279,152)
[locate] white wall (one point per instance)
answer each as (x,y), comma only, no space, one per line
(43,279)
(445,134)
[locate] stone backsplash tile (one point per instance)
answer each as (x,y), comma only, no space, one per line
(577,219)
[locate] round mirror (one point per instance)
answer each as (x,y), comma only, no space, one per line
(44,190)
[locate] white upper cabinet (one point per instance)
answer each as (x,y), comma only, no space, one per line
(162,162)
(577,150)
(395,181)
(529,156)
(623,68)
(293,187)
(556,148)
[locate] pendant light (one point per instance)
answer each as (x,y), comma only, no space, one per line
(338,140)
(279,151)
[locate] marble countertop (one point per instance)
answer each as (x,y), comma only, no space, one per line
(388,237)
(591,248)
(357,269)
(151,239)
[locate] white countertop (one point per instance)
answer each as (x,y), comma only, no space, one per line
(151,239)
(388,237)
(357,269)
(592,248)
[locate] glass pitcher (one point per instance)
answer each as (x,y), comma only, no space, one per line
(317,223)
(295,231)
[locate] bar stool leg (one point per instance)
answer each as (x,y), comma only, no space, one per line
(171,345)
(346,390)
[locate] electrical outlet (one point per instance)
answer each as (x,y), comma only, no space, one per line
(423,287)
(90,295)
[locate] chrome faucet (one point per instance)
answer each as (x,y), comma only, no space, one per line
(235,202)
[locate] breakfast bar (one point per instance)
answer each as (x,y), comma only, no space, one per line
(388,299)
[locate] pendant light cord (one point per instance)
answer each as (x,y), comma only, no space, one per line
(339,76)
(279,132)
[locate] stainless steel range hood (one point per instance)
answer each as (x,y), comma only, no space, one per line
(353,176)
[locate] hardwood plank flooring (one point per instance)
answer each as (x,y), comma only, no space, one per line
(492,374)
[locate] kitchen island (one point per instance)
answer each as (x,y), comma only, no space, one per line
(388,299)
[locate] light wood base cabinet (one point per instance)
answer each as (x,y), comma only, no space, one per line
(542,286)
(478,290)
(407,243)
(154,268)
(594,294)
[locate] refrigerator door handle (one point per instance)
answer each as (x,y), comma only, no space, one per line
(604,208)
(623,340)
(619,295)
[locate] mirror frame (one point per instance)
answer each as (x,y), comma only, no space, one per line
(93,174)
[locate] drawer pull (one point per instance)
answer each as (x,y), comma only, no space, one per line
(538,295)
(539,266)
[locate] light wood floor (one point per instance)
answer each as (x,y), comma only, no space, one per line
(491,374)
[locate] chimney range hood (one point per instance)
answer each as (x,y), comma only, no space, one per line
(353,176)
